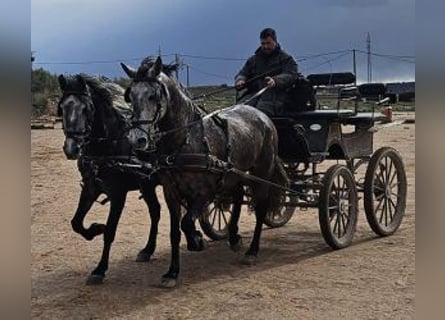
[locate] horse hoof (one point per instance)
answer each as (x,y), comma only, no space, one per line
(237,246)
(94,230)
(95,279)
(197,244)
(97,228)
(203,244)
(143,257)
(248,260)
(168,282)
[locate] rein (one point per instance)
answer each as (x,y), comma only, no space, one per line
(234,87)
(159,135)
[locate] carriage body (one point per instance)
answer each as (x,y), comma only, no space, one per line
(313,136)
(346,136)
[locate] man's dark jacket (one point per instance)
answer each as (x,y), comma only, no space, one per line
(279,65)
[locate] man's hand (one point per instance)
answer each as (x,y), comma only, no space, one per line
(270,82)
(240,84)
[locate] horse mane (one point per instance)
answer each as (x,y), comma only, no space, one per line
(149,61)
(110,92)
(168,70)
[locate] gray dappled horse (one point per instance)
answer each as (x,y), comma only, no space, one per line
(95,122)
(164,117)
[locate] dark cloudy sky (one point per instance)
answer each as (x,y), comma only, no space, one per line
(71,36)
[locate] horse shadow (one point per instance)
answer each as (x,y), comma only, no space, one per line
(130,286)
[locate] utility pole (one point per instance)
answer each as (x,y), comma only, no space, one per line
(178,63)
(188,76)
(368,51)
(354,67)
(159,50)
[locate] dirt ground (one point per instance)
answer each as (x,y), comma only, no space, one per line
(297,276)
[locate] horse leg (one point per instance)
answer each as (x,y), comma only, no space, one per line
(261,208)
(88,195)
(149,195)
(117,201)
(195,240)
(235,240)
(170,279)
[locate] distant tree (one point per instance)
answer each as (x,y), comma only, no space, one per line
(44,87)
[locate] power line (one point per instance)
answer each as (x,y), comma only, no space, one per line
(328,61)
(209,73)
(300,58)
(313,56)
(95,61)
(408,59)
(212,58)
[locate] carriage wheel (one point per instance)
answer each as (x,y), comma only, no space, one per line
(215,219)
(385,191)
(338,207)
(281,215)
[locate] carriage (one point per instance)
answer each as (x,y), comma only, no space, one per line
(252,167)
(344,136)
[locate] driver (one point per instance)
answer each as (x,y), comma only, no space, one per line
(272,67)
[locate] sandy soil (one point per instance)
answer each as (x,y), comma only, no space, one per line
(297,275)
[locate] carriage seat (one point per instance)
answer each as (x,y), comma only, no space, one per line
(324,114)
(292,143)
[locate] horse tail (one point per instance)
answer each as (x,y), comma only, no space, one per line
(277,195)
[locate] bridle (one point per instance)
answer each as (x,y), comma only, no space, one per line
(82,136)
(136,124)
(157,135)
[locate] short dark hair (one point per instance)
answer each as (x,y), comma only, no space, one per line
(268,32)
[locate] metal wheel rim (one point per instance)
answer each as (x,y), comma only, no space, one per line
(386,197)
(341,206)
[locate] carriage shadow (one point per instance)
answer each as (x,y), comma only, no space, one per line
(131,286)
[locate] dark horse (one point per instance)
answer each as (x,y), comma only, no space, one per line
(244,137)
(95,123)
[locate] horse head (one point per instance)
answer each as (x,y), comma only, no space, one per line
(150,98)
(77,111)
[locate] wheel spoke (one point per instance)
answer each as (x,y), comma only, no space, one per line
(394,206)
(390,207)
(214,217)
(380,180)
(379,197)
(213,209)
(337,189)
(224,217)
(389,174)
(386,170)
(379,187)
(392,178)
(339,225)
(343,223)
(335,224)
(380,174)
(379,202)
(333,199)
(383,209)
(219,219)
(331,214)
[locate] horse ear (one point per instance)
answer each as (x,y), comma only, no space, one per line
(158,65)
(127,95)
(62,82)
(81,81)
(131,73)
